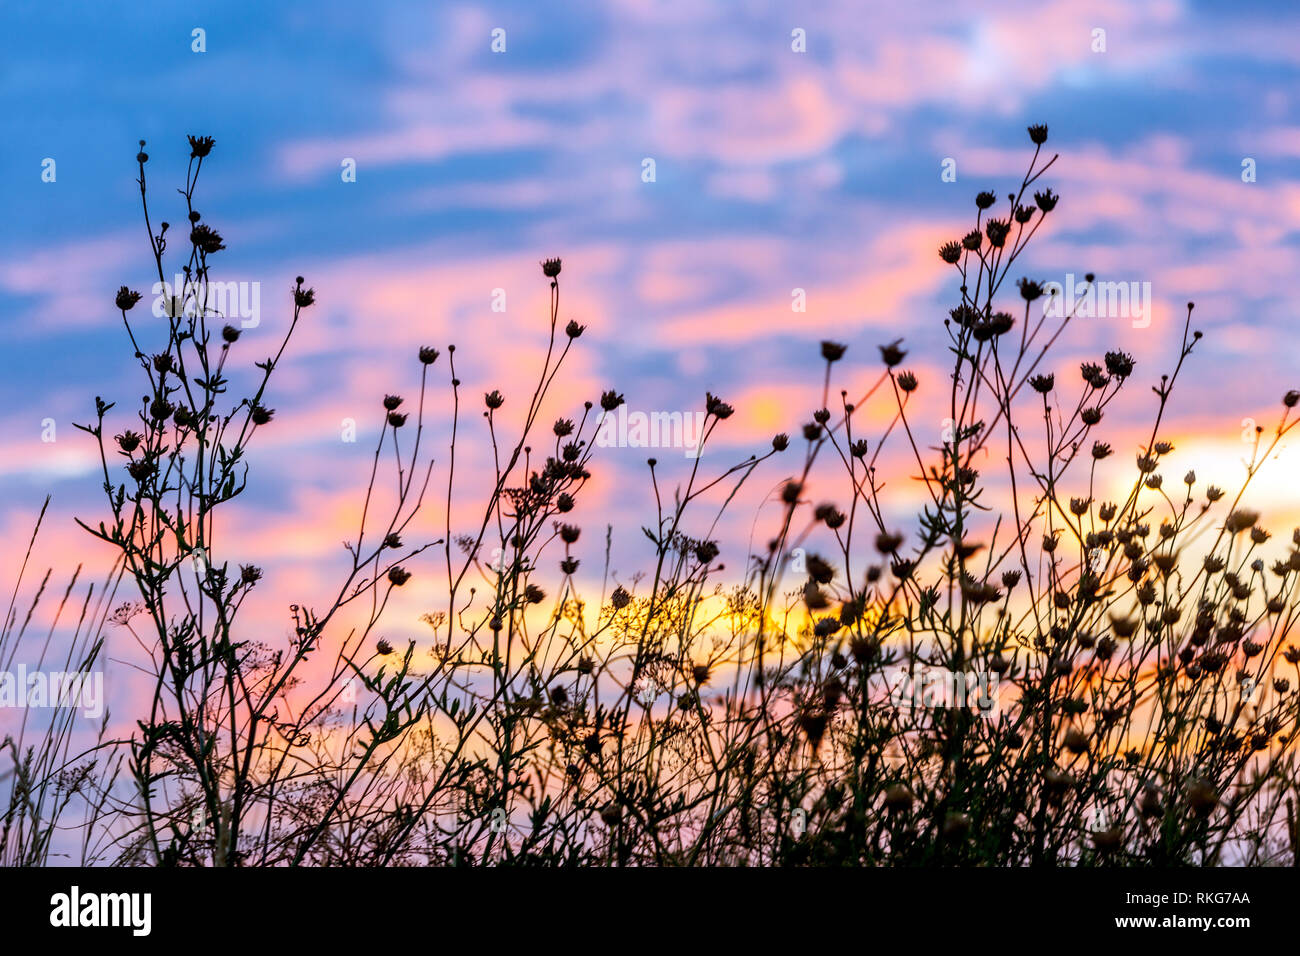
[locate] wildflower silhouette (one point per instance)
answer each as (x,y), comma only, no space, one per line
(1031,671)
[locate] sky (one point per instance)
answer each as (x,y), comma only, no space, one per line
(794,147)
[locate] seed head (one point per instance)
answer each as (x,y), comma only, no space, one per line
(891,354)
(716,406)
(887,543)
(1119,364)
(129,441)
(1092,374)
(1030,290)
(1240,520)
(833,351)
(820,570)
(997,230)
(206,239)
(126,299)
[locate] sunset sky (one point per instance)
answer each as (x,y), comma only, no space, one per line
(775,170)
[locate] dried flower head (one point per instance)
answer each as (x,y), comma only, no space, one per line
(997,230)
(891,354)
(1030,290)
(206,239)
(1119,364)
(716,406)
(126,299)
(833,351)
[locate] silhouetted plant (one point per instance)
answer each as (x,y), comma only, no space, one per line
(1146,705)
